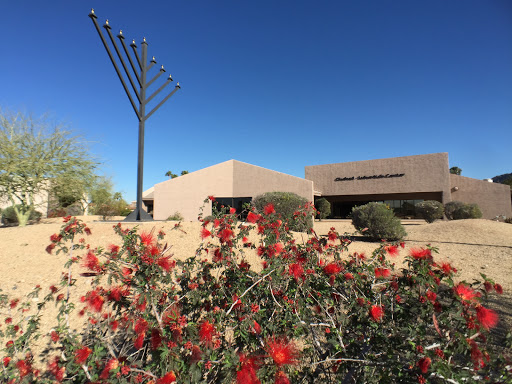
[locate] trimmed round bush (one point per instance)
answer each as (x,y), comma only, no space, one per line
(285,204)
(379,221)
(451,207)
(323,207)
(9,216)
(430,210)
(457,210)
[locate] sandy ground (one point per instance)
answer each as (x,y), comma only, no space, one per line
(472,246)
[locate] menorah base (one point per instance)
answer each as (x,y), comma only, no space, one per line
(138,215)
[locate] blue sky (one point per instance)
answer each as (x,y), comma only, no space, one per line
(279,84)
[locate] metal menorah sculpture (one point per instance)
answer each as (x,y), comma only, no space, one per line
(141,61)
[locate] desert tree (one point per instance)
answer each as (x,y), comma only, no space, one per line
(36,153)
(171,175)
(455,171)
(104,201)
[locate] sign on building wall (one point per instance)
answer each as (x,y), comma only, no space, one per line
(386,176)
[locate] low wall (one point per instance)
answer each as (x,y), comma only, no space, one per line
(492,198)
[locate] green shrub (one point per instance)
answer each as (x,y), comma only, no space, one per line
(379,221)
(176,216)
(57,212)
(9,216)
(468,211)
(233,323)
(451,207)
(430,210)
(286,204)
(457,210)
(323,207)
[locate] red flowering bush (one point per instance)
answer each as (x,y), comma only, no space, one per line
(311,312)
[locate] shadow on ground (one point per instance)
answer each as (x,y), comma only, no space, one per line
(456,242)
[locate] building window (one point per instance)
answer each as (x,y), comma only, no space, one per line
(234,202)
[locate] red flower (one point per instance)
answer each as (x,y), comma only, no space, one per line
(55,238)
(196,354)
(269,209)
(376,313)
(232,210)
(112,248)
(487,317)
(6,361)
(392,250)
(211,198)
(333,269)
(165,263)
(466,293)
(91,262)
(424,364)
(488,286)
(54,336)
(275,249)
(50,248)
(296,271)
(252,217)
(140,326)
(81,355)
(282,351)
(95,301)
(247,374)
(431,296)
(156,338)
(139,341)
(225,235)
(55,370)
(169,378)
(117,293)
(205,233)
(114,324)
(14,303)
(498,289)
(447,268)
(349,276)
(24,367)
(111,364)
(281,378)
(146,238)
(382,272)
(420,253)
(206,332)
(257,328)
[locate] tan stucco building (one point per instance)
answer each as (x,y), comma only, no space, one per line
(232,183)
(400,182)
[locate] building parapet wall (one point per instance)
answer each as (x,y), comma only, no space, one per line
(251,180)
(492,198)
(409,174)
(185,194)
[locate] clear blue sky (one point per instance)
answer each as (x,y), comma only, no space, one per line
(279,84)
